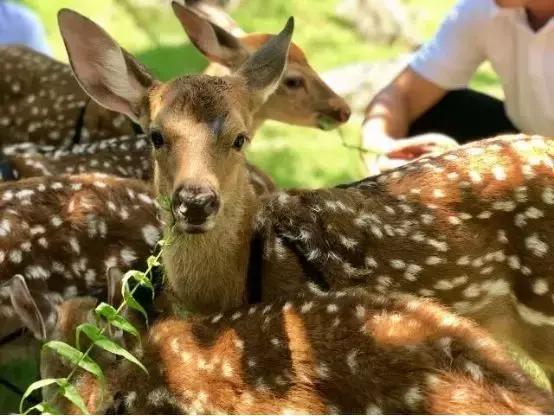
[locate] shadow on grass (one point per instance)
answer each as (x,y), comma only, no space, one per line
(167,62)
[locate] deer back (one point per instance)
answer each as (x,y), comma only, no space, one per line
(41,102)
(335,353)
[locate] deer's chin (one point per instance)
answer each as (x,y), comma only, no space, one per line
(188,228)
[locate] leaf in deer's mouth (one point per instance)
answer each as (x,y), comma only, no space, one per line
(326,122)
(165,202)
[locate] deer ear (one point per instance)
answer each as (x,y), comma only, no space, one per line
(212,41)
(114,277)
(106,72)
(26,308)
(264,69)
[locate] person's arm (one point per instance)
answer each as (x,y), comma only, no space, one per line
(447,62)
(392,111)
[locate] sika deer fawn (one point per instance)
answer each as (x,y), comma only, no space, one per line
(345,352)
(472,227)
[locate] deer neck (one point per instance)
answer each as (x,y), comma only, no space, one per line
(207,272)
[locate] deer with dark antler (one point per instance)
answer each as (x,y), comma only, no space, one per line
(346,352)
(471,227)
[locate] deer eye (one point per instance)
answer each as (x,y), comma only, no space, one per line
(239,141)
(294,82)
(157,139)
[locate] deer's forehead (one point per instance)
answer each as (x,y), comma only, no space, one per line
(200,98)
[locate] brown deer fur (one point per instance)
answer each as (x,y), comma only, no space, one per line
(471,227)
(320,353)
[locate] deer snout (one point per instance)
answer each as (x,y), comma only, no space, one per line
(194,208)
(340,109)
(337,112)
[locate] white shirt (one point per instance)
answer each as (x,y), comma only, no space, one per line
(479,30)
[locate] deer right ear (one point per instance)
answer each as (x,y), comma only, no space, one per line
(264,69)
(106,72)
(26,307)
(213,42)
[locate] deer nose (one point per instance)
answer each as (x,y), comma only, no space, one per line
(340,110)
(194,204)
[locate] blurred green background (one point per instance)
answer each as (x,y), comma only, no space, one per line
(293,156)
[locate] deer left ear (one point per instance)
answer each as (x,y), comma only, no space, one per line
(265,68)
(26,308)
(114,278)
(108,73)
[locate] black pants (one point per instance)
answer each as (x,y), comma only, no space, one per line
(465,115)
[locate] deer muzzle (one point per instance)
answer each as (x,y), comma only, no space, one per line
(194,208)
(336,112)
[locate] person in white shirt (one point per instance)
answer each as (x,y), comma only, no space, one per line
(429,103)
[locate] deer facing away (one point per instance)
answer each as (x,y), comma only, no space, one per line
(471,227)
(317,352)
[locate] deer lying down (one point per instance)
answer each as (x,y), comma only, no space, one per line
(472,227)
(63,233)
(344,352)
(41,102)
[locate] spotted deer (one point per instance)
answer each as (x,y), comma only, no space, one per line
(316,352)
(63,233)
(41,102)
(471,227)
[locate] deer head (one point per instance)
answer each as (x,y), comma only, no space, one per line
(198,125)
(302,97)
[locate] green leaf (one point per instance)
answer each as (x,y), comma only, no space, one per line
(131,302)
(152,262)
(44,408)
(107,344)
(110,314)
(70,393)
(165,202)
(35,386)
(140,277)
(76,357)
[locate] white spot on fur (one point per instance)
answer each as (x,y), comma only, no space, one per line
(534,244)
(128,255)
(540,287)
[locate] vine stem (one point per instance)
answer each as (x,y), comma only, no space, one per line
(107,324)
